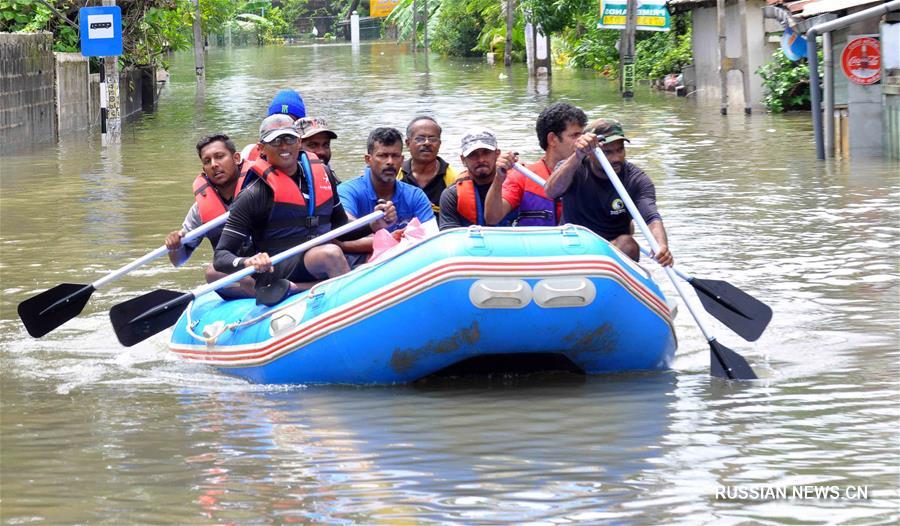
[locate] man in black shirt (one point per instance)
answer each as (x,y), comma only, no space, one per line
(291,199)
(590,199)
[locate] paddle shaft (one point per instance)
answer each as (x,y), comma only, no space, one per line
(681,274)
(328,236)
(193,234)
(645,230)
(537,179)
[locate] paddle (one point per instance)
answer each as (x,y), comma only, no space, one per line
(139,318)
(739,311)
(53,307)
(724,362)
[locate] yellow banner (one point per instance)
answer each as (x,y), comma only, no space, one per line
(381,8)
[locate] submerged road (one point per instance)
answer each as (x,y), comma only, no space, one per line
(94,432)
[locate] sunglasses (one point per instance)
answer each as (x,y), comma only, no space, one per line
(283,139)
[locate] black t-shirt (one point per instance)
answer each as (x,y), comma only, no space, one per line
(592,201)
(250,213)
(434,188)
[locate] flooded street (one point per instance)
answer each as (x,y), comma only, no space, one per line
(93,432)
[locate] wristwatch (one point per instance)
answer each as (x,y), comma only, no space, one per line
(238,262)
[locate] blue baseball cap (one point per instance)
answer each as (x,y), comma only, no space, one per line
(288,102)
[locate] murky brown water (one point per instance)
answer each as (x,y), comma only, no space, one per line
(96,433)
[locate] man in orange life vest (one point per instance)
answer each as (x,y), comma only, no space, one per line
(291,199)
(558,127)
(214,191)
(463,203)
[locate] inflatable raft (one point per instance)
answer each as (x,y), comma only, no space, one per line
(466,294)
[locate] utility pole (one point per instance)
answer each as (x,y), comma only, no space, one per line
(510,21)
(109,94)
(415,35)
(198,44)
(626,51)
(425,24)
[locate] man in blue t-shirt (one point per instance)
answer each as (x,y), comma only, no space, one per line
(379,182)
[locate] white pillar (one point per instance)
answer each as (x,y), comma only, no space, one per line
(354,29)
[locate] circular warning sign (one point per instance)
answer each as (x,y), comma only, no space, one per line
(861,60)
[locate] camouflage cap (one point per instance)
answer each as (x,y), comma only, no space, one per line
(477,139)
(609,129)
(310,126)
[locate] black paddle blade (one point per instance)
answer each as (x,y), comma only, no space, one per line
(741,312)
(725,363)
(140,318)
(53,307)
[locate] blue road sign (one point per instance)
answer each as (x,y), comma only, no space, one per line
(101,31)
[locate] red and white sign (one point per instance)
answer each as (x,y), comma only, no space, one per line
(861,60)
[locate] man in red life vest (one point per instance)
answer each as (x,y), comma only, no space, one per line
(214,191)
(558,127)
(291,199)
(463,203)
(590,199)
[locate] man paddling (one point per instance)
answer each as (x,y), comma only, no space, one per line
(214,191)
(462,204)
(557,127)
(292,199)
(590,199)
(425,168)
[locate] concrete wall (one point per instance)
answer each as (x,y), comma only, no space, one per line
(45,94)
(706,52)
(27,101)
(73,95)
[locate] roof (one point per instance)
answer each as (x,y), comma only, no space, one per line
(797,8)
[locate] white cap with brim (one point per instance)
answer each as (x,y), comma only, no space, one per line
(275,126)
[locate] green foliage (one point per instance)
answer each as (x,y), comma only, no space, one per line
(457,31)
(461,27)
(786,83)
(596,49)
(662,53)
(30,16)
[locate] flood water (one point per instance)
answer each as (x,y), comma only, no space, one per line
(96,433)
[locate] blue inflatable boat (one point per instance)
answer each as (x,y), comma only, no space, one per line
(463,295)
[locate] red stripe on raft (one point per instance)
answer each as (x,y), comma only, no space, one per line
(378,302)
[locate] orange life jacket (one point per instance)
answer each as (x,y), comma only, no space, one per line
(208,199)
(469,205)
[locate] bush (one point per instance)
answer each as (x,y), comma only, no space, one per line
(457,30)
(662,53)
(786,83)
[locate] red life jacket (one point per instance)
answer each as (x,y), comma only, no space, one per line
(292,219)
(208,200)
(534,208)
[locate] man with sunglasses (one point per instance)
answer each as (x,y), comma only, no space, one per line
(425,168)
(590,199)
(290,199)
